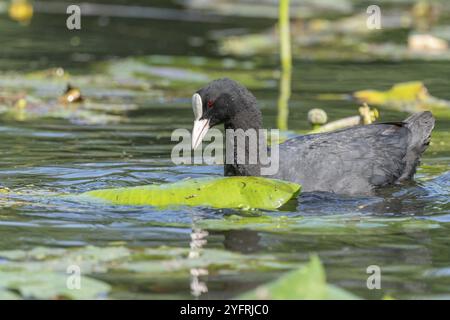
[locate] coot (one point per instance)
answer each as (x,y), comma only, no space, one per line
(356,160)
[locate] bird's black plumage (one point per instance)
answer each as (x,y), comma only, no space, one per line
(356,160)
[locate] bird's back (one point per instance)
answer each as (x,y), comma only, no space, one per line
(356,160)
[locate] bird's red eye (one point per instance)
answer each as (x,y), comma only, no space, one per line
(210,103)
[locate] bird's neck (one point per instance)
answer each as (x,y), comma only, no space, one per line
(244,139)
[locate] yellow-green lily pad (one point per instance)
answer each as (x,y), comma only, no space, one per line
(408,96)
(222,192)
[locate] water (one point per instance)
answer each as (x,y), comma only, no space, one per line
(404,230)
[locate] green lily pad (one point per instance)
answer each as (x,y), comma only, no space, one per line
(226,192)
(8,295)
(42,272)
(50,285)
(342,225)
(305,283)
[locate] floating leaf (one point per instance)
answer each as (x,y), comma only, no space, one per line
(89,259)
(171,261)
(42,272)
(226,192)
(408,96)
(307,283)
(342,225)
(50,285)
(159,260)
(8,295)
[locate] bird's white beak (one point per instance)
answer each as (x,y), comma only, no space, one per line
(199,131)
(201,127)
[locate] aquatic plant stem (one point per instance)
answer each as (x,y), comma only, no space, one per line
(286,64)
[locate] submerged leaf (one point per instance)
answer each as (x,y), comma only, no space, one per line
(226,192)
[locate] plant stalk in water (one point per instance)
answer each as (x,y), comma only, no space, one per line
(286,64)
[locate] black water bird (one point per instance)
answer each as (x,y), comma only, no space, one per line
(356,160)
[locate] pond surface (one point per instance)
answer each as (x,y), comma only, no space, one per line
(404,230)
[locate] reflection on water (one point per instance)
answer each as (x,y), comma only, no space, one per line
(198,240)
(403,229)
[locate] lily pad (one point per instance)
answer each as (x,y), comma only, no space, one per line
(41,273)
(408,96)
(50,285)
(307,282)
(8,295)
(226,192)
(337,225)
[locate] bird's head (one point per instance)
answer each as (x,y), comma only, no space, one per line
(223,101)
